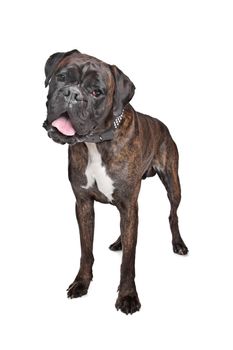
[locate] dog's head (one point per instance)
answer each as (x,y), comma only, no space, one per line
(85,96)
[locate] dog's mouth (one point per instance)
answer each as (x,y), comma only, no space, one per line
(62,131)
(64,125)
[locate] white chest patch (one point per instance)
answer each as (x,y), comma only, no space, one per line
(96,172)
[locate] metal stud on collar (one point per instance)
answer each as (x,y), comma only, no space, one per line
(118,120)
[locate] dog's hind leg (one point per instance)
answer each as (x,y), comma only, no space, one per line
(116,245)
(169,177)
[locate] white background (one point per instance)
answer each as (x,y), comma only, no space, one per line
(179,55)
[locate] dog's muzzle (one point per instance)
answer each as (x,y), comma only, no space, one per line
(73,95)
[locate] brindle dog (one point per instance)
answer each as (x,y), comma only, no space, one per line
(111,149)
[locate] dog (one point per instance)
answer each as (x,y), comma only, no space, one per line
(111,149)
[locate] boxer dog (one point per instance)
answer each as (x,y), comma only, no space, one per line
(111,149)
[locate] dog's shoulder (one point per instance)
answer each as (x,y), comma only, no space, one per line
(151,124)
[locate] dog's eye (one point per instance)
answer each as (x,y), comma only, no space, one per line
(61,77)
(96,93)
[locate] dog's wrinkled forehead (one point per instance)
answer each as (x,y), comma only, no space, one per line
(80,68)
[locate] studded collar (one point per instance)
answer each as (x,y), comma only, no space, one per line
(106,135)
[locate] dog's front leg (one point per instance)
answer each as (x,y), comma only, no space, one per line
(85,218)
(127,300)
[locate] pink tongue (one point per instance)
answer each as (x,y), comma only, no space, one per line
(64,126)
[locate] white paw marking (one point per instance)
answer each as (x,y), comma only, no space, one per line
(96,172)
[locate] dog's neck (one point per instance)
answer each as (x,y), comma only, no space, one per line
(109,133)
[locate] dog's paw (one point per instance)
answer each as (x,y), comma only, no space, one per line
(77,289)
(180,248)
(128,304)
(116,245)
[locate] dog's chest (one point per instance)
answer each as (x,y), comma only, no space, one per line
(96,173)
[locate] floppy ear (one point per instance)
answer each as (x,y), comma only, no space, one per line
(52,63)
(124,90)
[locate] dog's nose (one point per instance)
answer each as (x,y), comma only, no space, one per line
(66,92)
(73,93)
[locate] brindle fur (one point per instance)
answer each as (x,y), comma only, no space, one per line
(141,147)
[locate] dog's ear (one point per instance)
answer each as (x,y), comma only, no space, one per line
(52,62)
(124,90)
